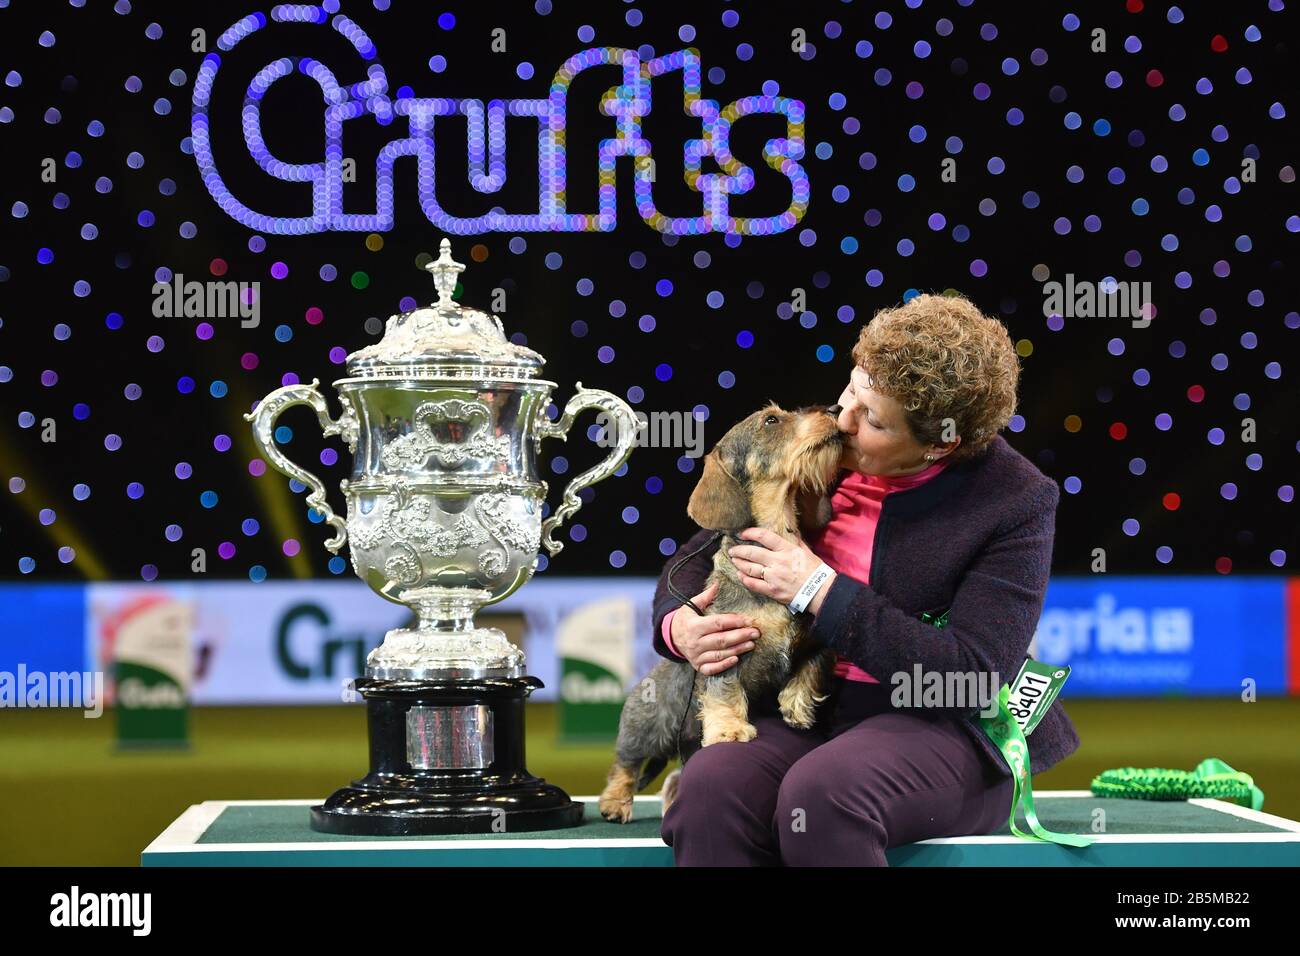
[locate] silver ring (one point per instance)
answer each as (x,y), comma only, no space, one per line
(762,574)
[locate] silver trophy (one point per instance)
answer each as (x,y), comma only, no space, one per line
(444,417)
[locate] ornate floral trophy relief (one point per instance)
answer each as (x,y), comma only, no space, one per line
(444,417)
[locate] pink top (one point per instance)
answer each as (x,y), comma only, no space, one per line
(846,541)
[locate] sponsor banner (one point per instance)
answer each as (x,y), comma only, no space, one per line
(304,641)
(274,642)
(44,627)
(1144,636)
(148,639)
(583,640)
(596,641)
(301,641)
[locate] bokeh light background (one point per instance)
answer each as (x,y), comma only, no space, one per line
(1123,164)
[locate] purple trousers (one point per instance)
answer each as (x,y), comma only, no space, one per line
(867,777)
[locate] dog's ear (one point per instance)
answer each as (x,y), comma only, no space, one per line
(718,503)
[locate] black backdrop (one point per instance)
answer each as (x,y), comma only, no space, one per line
(63,360)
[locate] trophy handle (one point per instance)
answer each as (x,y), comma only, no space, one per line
(263,419)
(626,422)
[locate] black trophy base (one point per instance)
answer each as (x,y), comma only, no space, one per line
(446,757)
(377,811)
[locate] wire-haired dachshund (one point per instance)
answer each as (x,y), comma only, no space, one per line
(773,470)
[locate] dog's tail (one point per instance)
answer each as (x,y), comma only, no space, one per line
(653,767)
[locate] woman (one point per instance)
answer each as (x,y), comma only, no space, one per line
(940,543)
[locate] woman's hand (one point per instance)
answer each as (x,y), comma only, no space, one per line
(778,569)
(711,643)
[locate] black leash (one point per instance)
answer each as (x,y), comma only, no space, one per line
(672,589)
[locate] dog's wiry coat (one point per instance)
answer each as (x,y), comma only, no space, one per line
(771,470)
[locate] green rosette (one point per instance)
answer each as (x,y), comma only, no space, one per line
(1212,779)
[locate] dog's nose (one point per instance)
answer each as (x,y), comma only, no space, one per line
(834,410)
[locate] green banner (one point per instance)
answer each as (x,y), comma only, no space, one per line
(150,707)
(591,701)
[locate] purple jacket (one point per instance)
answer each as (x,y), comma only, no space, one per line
(975,540)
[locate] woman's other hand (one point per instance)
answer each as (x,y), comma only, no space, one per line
(777,568)
(711,643)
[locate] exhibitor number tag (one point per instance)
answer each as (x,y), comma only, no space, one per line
(1033,691)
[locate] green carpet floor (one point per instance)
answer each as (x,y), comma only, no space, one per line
(67,798)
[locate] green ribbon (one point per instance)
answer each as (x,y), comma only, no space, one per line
(1010,740)
(1211,779)
(938,620)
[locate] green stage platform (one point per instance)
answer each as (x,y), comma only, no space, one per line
(1137,833)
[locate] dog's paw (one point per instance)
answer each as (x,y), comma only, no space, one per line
(737,731)
(615,803)
(615,807)
(800,718)
(798,709)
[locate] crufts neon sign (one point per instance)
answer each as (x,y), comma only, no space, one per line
(486,124)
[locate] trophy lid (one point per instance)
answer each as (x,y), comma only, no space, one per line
(445,339)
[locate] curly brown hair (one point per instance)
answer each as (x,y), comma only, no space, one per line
(941,358)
